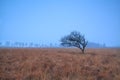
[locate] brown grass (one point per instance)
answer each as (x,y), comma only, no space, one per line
(59,64)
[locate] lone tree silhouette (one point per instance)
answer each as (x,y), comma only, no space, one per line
(75,39)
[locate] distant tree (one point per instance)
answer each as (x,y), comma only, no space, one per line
(7,43)
(0,43)
(16,44)
(104,45)
(75,39)
(31,44)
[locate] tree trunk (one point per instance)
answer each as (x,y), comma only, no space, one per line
(83,49)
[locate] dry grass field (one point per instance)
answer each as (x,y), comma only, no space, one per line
(59,64)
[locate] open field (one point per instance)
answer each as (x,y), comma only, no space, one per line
(59,64)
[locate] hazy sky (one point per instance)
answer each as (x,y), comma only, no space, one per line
(46,21)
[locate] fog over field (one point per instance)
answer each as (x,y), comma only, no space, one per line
(46,21)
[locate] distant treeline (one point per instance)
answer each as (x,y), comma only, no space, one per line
(32,44)
(26,44)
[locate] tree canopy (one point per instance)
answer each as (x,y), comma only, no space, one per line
(75,39)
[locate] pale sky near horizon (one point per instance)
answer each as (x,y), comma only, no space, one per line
(46,21)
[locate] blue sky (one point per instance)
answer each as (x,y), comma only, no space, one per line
(46,21)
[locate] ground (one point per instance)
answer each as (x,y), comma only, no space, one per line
(59,64)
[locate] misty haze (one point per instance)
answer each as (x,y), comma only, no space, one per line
(59,40)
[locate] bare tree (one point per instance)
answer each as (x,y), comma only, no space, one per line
(75,39)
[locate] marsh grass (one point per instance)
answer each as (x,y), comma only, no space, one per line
(59,64)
